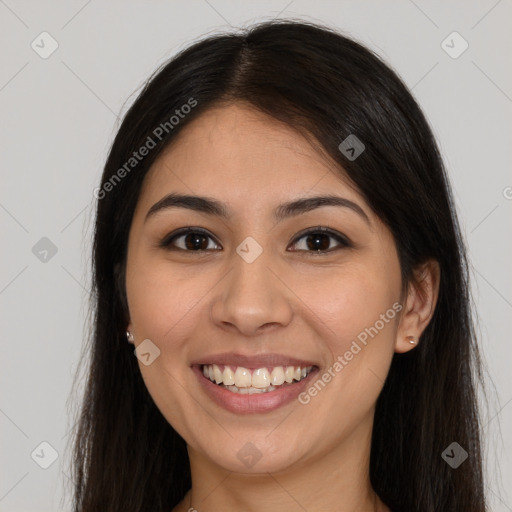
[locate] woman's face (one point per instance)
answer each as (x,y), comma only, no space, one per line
(251,292)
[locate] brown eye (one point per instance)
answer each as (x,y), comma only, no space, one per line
(193,240)
(318,240)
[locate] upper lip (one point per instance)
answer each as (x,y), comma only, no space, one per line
(254,361)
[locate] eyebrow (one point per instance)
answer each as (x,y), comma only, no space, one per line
(213,207)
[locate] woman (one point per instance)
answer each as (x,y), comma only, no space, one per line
(282,315)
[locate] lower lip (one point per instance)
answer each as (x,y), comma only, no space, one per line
(256,403)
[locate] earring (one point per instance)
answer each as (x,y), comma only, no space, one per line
(411,339)
(129,335)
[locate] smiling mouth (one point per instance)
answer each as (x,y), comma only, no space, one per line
(241,380)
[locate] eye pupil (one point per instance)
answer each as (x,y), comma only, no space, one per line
(196,244)
(317,240)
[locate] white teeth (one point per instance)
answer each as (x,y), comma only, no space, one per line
(261,380)
(242,377)
(277,376)
(289,373)
(217,374)
(250,391)
(228,377)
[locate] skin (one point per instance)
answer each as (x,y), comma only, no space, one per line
(314,457)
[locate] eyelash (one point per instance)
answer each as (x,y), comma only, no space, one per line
(167,241)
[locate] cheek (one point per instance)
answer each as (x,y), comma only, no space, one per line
(162,309)
(161,303)
(348,302)
(355,315)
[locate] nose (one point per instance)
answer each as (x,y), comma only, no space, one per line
(253,298)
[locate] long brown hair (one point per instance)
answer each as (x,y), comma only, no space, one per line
(126,455)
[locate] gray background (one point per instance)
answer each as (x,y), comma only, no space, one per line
(59,116)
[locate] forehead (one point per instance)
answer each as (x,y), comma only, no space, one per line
(239,154)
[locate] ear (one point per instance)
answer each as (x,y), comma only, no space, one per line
(420,305)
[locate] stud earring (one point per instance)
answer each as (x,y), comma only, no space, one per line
(129,335)
(411,339)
